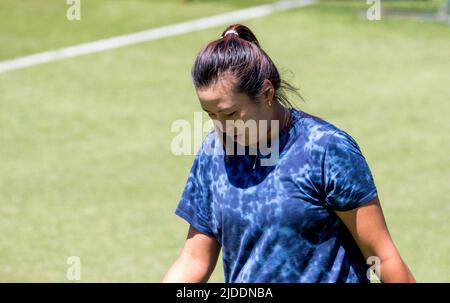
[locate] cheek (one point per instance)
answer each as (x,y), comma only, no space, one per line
(249,114)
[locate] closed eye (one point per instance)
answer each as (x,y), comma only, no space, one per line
(231,114)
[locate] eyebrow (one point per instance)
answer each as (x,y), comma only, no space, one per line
(219,111)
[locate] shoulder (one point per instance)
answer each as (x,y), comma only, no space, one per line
(314,133)
(318,138)
(206,152)
(210,144)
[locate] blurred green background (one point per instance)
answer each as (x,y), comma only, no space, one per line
(85,161)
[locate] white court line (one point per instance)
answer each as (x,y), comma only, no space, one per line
(151,34)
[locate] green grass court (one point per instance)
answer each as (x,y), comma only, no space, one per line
(85,161)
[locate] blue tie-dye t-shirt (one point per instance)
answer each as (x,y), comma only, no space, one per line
(277,223)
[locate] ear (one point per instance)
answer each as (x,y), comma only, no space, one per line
(268,92)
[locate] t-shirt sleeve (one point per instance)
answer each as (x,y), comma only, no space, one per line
(348,181)
(194,205)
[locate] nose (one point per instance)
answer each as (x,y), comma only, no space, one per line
(225,126)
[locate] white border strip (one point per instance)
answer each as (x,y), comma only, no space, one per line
(151,34)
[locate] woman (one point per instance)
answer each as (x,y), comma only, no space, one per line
(313,216)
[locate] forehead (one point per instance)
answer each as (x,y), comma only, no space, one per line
(219,94)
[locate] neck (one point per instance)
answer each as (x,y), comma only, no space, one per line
(282,115)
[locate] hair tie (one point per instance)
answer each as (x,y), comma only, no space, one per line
(231,31)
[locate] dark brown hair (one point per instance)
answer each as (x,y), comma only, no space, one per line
(240,53)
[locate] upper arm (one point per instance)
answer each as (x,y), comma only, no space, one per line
(201,248)
(196,261)
(347,180)
(368,227)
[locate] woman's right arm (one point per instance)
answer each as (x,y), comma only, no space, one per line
(196,261)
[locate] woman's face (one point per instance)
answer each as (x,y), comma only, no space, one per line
(223,104)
